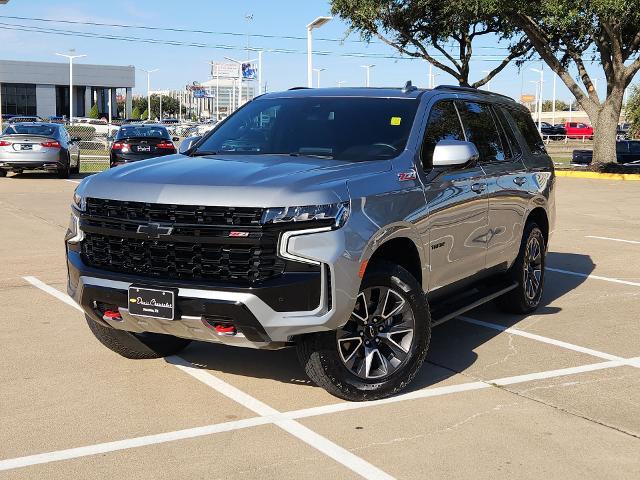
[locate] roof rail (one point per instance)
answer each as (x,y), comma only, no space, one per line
(298,88)
(471,90)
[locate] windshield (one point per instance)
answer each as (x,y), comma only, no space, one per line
(141,131)
(342,128)
(43,130)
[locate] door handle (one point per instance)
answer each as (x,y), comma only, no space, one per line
(479,187)
(520,181)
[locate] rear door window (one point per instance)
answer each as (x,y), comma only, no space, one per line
(443,124)
(508,138)
(528,130)
(481,130)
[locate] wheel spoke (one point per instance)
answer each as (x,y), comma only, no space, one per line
(399,342)
(394,308)
(348,347)
(374,359)
(361,310)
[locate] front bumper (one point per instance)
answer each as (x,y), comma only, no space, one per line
(266,316)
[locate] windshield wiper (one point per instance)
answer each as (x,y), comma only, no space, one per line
(313,155)
(203,153)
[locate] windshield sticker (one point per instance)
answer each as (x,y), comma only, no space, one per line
(395,121)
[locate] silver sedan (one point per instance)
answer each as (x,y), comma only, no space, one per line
(38,146)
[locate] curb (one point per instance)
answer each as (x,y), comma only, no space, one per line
(599,176)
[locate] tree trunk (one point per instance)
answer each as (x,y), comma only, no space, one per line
(605,127)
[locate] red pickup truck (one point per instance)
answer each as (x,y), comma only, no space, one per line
(579,130)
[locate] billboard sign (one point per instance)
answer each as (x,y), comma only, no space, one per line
(249,71)
(224,70)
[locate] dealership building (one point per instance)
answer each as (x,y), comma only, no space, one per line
(42,88)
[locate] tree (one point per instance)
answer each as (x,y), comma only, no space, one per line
(567,34)
(135,113)
(633,111)
(547,106)
(414,26)
(93,113)
(144,115)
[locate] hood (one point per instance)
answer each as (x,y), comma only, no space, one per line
(231,180)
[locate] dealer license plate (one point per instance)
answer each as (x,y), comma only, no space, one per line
(151,302)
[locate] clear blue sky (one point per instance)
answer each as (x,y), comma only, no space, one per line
(180,65)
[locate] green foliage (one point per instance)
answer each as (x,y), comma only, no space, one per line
(144,115)
(93,113)
(547,106)
(135,114)
(414,27)
(633,111)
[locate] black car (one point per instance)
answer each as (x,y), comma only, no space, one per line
(139,142)
(627,151)
(554,132)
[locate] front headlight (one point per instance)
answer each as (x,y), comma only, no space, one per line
(334,214)
(79,201)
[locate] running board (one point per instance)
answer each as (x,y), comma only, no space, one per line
(473,301)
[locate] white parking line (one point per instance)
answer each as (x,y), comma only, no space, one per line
(281,418)
(593,277)
(72,181)
(635,242)
(324,445)
(286,420)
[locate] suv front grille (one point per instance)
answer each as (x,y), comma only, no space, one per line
(198,248)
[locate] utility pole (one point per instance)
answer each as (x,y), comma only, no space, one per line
(541,72)
(318,70)
(70,57)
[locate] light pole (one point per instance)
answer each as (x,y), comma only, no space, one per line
(341,82)
(553,107)
(318,70)
(368,69)
(537,84)
(149,72)
(70,57)
(240,62)
(318,22)
(489,82)
(541,72)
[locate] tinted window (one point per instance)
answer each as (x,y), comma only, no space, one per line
(44,130)
(481,130)
(142,131)
(443,124)
(622,147)
(508,137)
(528,130)
(344,128)
(634,147)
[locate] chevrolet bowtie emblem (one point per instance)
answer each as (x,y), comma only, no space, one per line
(154,230)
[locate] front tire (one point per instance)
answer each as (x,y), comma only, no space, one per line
(382,346)
(63,172)
(528,272)
(137,346)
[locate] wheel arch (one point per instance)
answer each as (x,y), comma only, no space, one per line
(540,217)
(402,251)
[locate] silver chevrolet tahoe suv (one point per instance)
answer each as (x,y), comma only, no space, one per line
(344,222)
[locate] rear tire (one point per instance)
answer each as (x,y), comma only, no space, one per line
(63,172)
(137,346)
(342,364)
(76,170)
(528,272)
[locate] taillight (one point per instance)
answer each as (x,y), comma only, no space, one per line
(120,146)
(4,143)
(165,145)
(52,144)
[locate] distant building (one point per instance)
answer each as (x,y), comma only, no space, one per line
(42,88)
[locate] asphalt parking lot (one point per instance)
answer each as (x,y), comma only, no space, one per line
(550,395)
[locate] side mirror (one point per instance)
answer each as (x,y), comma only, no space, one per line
(75,139)
(454,153)
(187,143)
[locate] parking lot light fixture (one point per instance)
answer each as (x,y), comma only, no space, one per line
(318,70)
(70,57)
(368,69)
(317,23)
(541,72)
(149,72)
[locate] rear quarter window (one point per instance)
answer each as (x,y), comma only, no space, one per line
(524,123)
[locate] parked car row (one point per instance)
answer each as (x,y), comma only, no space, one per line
(627,152)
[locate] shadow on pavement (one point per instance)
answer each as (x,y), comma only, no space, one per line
(43,174)
(452,348)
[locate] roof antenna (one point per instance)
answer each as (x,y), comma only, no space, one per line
(408,87)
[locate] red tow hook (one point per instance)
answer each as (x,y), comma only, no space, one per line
(225,329)
(111,315)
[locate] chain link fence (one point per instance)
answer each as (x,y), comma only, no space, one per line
(94,139)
